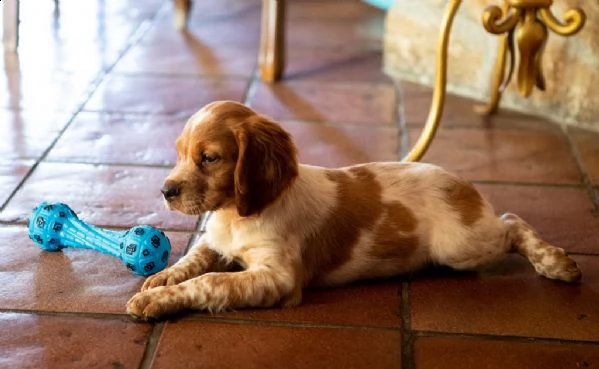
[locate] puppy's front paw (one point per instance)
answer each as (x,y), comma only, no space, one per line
(168,277)
(156,302)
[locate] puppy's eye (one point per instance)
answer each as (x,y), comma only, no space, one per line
(209,159)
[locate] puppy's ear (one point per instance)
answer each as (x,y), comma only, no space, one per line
(266,165)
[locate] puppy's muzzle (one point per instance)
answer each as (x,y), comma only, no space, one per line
(170,191)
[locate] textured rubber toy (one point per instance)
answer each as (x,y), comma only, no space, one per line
(143,249)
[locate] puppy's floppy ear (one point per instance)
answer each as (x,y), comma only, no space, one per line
(266,164)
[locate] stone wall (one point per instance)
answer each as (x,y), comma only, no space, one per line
(571,64)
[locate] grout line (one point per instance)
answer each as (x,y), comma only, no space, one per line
(528,184)
(552,127)
(345,124)
(491,337)
(581,253)
(25,223)
(136,35)
(252,86)
(108,164)
(198,232)
(158,328)
(185,76)
(201,317)
(339,83)
(70,314)
(407,337)
(168,115)
(151,346)
(284,323)
(586,179)
(400,120)
(185,115)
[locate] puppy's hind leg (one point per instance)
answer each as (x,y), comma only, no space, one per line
(548,260)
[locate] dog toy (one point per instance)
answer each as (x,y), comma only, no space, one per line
(143,249)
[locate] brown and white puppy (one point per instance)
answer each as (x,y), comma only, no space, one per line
(290,225)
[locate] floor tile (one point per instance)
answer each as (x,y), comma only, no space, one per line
(509,300)
(119,139)
(28,134)
(161,94)
(504,155)
(563,216)
(223,9)
(70,342)
(77,56)
(336,10)
(460,112)
(11,174)
(189,57)
(587,143)
(360,103)
(349,65)
(339,145)
(208,345)
(374,304)
(71,16)
(77,36)
(363,33)
(101,195)
(131,8)
(440,353)
(72,280)
(240,29)
(37,90)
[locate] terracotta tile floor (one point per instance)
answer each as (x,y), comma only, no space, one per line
(88,115)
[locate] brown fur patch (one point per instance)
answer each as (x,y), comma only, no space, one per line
(465,200)
(358,207)
(394,238)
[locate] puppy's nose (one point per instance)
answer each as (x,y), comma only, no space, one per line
(170,191)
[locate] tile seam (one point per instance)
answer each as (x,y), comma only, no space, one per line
(151,348)
(507,338)
(586,179)
(407,336)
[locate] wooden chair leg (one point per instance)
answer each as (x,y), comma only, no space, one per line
(182,10)
(272,40)
(10,33)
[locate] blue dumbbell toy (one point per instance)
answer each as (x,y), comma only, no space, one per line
(143,249)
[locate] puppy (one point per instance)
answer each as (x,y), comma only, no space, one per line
(289,225)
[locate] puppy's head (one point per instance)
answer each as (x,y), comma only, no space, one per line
(230,156)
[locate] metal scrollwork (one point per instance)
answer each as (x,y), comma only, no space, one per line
(525,24)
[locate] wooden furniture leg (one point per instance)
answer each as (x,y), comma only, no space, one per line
(271,58)
(10,33)
(182,10)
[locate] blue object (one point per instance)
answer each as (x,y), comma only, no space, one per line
(143,249)
(381,4)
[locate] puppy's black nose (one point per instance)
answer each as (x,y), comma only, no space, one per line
(170,191)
